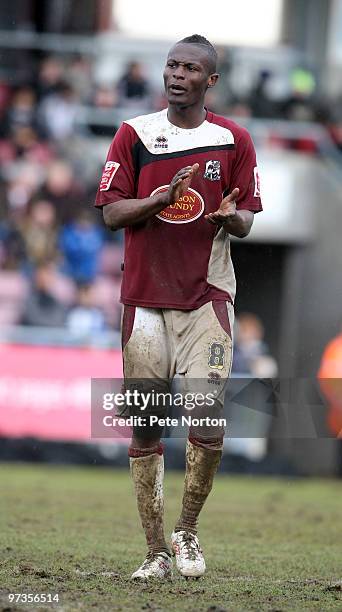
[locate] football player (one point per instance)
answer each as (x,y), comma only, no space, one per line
(180,182)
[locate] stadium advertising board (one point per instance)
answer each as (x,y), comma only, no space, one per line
(45,391)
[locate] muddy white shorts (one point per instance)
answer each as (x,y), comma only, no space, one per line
(192,347)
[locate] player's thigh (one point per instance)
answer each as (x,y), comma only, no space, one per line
(144,343)
(146,369)
(208,342)
(205,364)
(210,354)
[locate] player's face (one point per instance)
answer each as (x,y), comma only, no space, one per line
(187,74)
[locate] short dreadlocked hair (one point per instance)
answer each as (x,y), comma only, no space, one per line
(197,39)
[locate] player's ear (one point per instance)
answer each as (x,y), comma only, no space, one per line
(213,79)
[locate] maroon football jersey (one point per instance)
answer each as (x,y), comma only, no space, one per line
(177,259)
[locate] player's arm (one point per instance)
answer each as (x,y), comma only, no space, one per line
(117,191)
(236,222)
(123,213)
(236,211)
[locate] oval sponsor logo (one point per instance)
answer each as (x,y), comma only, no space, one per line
(187,209)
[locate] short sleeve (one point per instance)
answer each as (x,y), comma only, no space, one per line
(245,175)
(118,176)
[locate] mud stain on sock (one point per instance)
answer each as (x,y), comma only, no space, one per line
(201,466)
(147,474)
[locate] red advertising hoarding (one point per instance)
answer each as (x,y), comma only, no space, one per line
(45,392)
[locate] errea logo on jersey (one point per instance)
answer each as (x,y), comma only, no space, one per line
(161,142)
(188,208)
(109,171)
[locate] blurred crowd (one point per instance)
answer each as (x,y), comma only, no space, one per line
(58,265)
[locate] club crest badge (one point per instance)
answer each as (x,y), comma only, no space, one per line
(212,170)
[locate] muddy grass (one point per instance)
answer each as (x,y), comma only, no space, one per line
(269,544)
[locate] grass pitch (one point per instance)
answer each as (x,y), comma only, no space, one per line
(269,544)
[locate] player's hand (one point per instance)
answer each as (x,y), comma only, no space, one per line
(226,210)
(180,183)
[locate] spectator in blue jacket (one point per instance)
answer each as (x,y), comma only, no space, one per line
(81,242)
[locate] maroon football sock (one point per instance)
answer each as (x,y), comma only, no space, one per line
(201,465)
